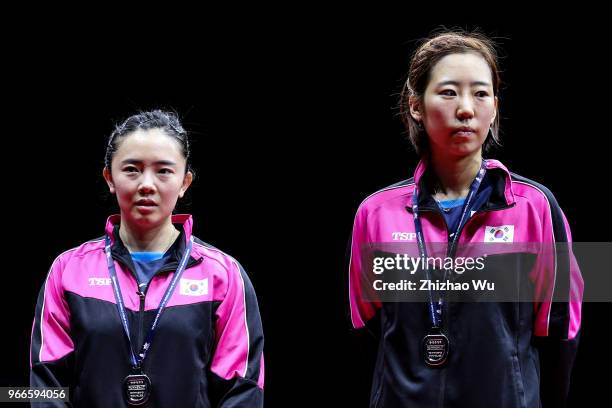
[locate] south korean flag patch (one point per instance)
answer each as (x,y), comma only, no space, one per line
(503,233)
(193,287)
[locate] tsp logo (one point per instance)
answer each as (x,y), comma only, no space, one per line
(99,281)
(503,233)
(403,236)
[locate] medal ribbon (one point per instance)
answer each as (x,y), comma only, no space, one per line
(138,360)
(436,320)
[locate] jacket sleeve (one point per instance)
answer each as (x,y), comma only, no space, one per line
(51,348)
(237,366)
(558,319)
(361,311)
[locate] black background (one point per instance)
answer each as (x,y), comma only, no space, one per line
(294,122)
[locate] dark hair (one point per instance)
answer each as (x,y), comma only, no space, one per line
(428,53)
(169,122)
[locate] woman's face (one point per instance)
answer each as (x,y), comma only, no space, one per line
(458,105)
(148,176)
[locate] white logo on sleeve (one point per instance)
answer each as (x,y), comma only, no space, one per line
(99,281)
(192,287)
(403,236)
(503,233)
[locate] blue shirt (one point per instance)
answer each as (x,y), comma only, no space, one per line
(452,213)
(146,264)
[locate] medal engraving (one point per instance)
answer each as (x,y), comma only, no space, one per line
(136,389)
(435,349)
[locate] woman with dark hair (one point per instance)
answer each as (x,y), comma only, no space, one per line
(468,354)
(149,315)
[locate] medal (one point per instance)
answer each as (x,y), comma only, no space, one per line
(435,349)
(136,389)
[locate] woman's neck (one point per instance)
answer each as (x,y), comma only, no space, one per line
(155,239)
(455,174)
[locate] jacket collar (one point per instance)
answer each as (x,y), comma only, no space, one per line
(121,253)
(497,176)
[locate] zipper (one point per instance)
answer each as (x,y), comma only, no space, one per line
(443,372)
(142,294)
(448,240)
(140,321)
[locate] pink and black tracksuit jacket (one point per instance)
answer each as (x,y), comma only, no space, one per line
(503,355)
(208,347)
